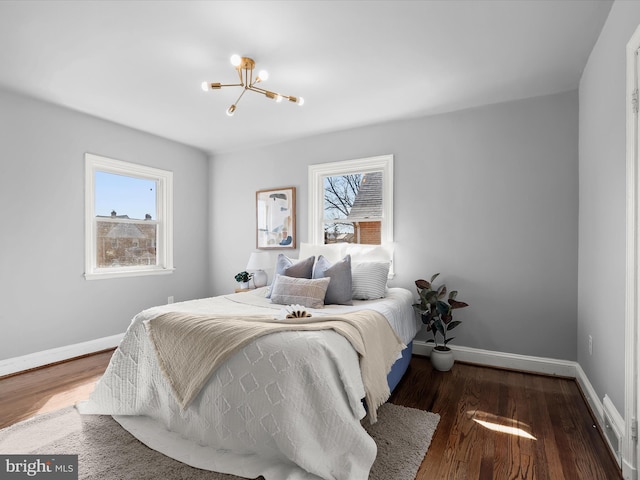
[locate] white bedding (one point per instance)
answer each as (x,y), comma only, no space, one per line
(287,406)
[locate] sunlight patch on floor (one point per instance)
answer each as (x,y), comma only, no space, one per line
(501,424)
(66,398)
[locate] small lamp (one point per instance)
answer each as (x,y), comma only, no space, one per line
(258,262)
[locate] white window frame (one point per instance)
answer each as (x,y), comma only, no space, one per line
(383,163)
(164,211)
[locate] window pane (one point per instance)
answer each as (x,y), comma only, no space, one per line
(338,233)
(358,232)
(127,197)
(368,201)
(339,194)
(125,244)
(369,232)
(357,200)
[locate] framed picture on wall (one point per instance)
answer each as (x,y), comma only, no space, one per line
(276,218)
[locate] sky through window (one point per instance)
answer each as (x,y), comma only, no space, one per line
(131,196)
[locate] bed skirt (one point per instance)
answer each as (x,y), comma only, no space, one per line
(398,368)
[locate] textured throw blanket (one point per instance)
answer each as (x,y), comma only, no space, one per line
(191,347)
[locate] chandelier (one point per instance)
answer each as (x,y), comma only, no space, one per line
(245,66)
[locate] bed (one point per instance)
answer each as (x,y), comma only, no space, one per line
(271,407)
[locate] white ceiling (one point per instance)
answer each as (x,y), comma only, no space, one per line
(141,63)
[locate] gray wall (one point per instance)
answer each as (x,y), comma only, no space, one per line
(601,292)
(45,300)
(487,196)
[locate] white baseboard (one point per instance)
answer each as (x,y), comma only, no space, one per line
(547,366)
(629,471)
(590,394)
(46,357)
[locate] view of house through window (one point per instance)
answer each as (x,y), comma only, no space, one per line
(353,208)
(351,201)
(126,220)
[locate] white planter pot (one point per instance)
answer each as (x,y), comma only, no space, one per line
(244,285)
(442,360)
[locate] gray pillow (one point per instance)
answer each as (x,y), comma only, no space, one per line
(300,269)
(369,280)
(339,290)
(299,291)
(292,268)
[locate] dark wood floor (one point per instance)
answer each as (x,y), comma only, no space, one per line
(52,388)
(547,429)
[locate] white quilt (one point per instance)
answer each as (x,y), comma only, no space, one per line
(287,406)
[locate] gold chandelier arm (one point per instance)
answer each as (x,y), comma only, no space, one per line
(232,109)
(273,95)
(220,85)
(257,89)
(236,102)
(206,86)
(249,81)
(267,93)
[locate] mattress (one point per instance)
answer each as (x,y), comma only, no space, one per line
(268,410)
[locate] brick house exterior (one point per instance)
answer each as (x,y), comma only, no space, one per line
(368,204)
(125,243)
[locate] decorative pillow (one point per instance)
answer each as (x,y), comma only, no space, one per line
(309,293)
(339,290)
(369,280)
(292,268)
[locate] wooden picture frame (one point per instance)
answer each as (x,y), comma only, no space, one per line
(276,218)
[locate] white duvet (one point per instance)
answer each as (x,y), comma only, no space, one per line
(287,406)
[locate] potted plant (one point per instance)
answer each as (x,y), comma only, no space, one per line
(437,315)
(243,278)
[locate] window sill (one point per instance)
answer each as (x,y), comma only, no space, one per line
(128,273)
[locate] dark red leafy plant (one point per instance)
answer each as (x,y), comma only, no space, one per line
(436,313)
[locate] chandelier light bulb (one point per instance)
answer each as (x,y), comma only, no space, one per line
(231,110)
(278,97)
(263,75)
(236,60)
(206,86)
(300,101)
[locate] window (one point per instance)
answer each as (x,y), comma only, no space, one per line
(129,219)
(352,201)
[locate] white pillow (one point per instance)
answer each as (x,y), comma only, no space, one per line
(334,252)
(299,291)
(369,280)
(369,253)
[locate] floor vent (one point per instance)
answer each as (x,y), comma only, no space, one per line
(613,428)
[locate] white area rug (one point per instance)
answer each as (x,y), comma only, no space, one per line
(106,451)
